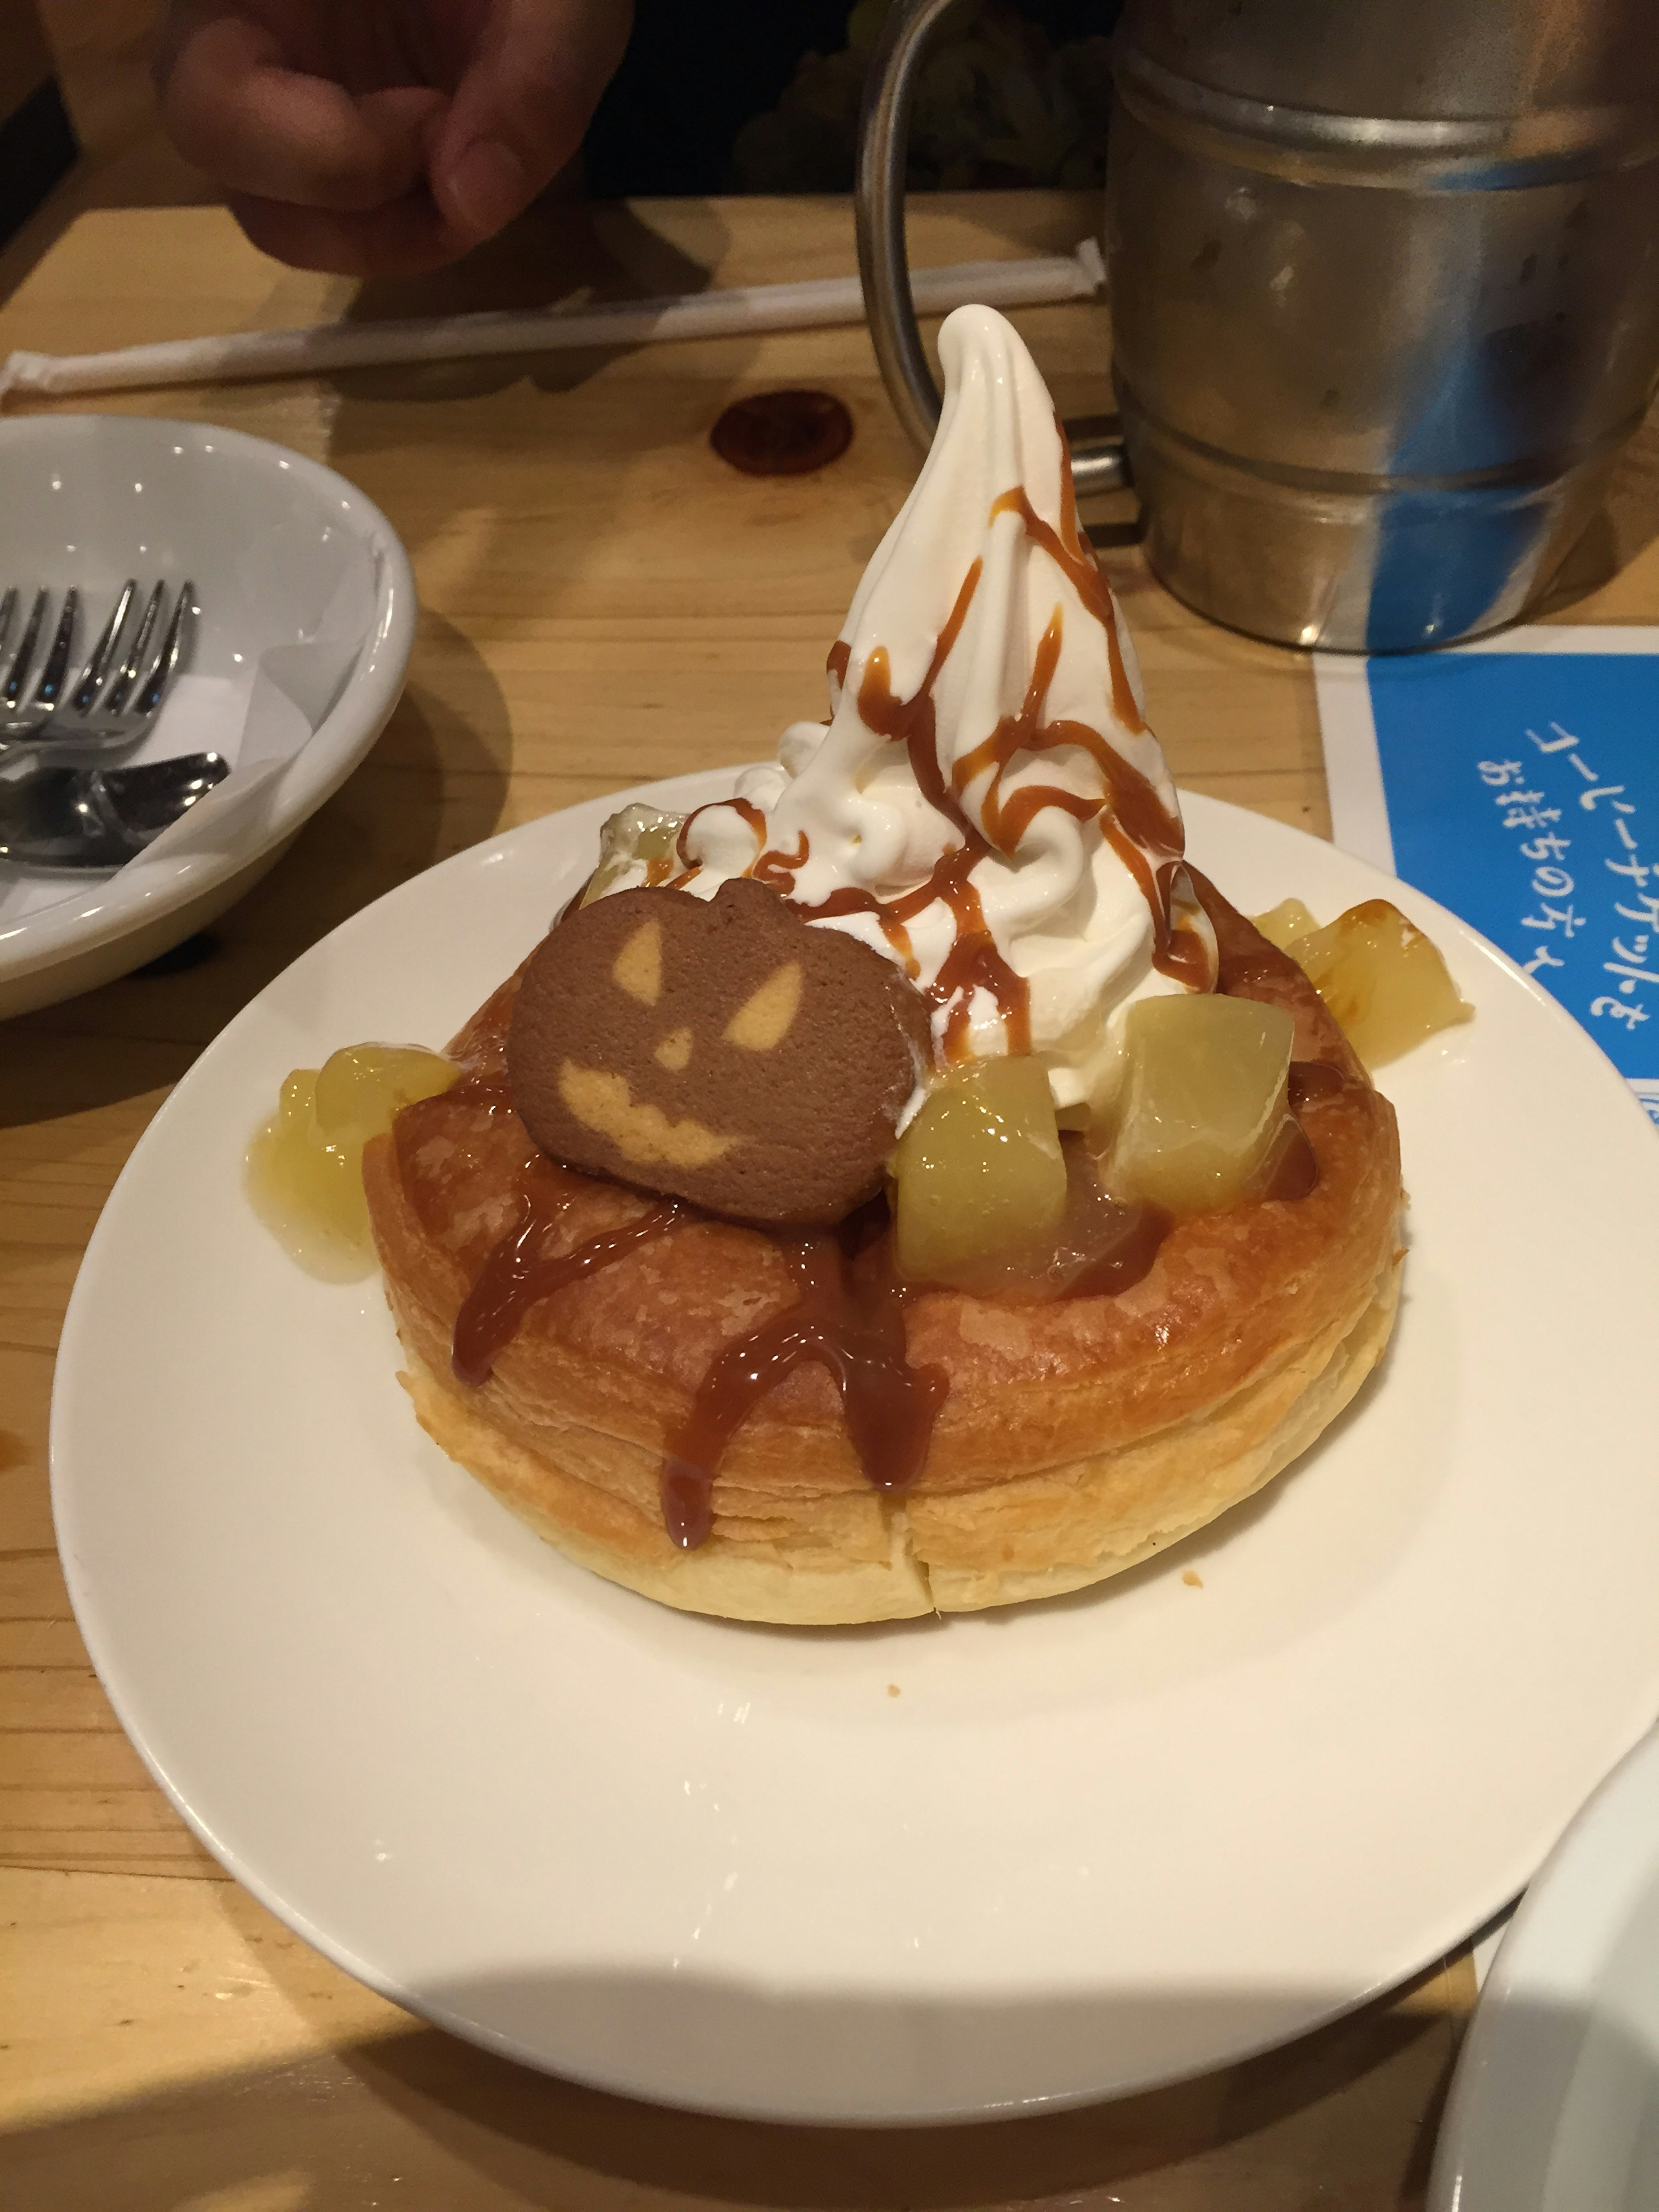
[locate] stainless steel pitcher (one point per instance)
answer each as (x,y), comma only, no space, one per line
(1384,278)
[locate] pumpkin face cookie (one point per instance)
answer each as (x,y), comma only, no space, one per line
(718,1050)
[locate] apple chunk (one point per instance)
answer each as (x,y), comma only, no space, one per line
(979,1176)
(1384,980)
(1203,1105)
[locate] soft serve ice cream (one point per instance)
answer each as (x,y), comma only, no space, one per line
(985,806)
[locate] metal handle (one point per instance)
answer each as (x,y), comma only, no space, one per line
(1097,465)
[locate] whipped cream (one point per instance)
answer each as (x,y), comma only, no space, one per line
(985,804)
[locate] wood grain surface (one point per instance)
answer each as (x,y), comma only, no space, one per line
(603,600)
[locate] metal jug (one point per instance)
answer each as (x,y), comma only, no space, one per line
(1384,279)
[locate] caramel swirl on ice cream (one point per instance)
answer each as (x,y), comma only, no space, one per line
(985,805)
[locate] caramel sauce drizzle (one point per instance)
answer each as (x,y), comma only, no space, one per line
(520,1272)
(751,814)
(1295,1169)
(1112,1244)
(1076,561)
(973,962)
(1312,1080)
(849,1317)
(777,871)
(1147,835)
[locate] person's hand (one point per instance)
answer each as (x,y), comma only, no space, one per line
(375,137)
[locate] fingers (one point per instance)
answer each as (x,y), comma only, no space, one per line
(398,181)
(521,109)
(261,128)
(403,239)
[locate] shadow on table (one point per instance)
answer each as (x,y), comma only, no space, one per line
(559,249)
(424,2121)
(434,783)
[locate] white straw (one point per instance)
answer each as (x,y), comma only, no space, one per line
(747,308)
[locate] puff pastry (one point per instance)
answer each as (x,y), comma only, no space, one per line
(1079,1436)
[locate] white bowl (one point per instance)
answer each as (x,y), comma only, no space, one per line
(308,614)
(1555,2107)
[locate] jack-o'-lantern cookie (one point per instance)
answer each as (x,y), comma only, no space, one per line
(719,1050)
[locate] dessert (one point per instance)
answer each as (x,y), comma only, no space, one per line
(905,1185)
(305,1167)
(1382,978)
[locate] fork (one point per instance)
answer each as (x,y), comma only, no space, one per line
(117,695)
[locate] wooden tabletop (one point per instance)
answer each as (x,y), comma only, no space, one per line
(603,600)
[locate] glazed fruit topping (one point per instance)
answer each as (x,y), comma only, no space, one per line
(979,1176)
(1204,1104)
(305,1169)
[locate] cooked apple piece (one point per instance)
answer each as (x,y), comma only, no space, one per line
(635,833)
(1384,980)
(1282,924)
(979,1175)
(1204,1106)
(291,1173)
(305,1169)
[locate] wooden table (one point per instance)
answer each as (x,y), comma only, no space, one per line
(604,601)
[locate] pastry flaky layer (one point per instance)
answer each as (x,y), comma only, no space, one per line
(1079,1436)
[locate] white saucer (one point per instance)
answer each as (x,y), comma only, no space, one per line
(1090,1845)
(308,614)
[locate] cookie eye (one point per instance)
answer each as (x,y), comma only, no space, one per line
(767,1014)
(637,969)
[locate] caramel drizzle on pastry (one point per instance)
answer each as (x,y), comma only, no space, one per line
(849,1317)
(849,1311)
(520,1272)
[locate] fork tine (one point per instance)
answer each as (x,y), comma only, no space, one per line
(48,689)
(8,609)
(127,674)
(168,660)
(20,667)
(92,674)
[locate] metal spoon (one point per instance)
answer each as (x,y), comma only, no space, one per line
(80,818)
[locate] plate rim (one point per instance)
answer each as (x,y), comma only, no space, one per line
(428,2006)
(1473,2107)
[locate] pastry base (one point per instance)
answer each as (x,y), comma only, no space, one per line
(1137,1500)
(1078,1435)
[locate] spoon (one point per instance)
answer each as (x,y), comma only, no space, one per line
(80,818)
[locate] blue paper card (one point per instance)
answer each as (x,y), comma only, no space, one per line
(1517,780)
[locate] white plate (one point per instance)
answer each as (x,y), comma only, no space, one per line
(1091,1844)
(295,664)
(1555,2107)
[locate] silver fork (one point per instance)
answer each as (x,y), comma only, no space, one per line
(116,695)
